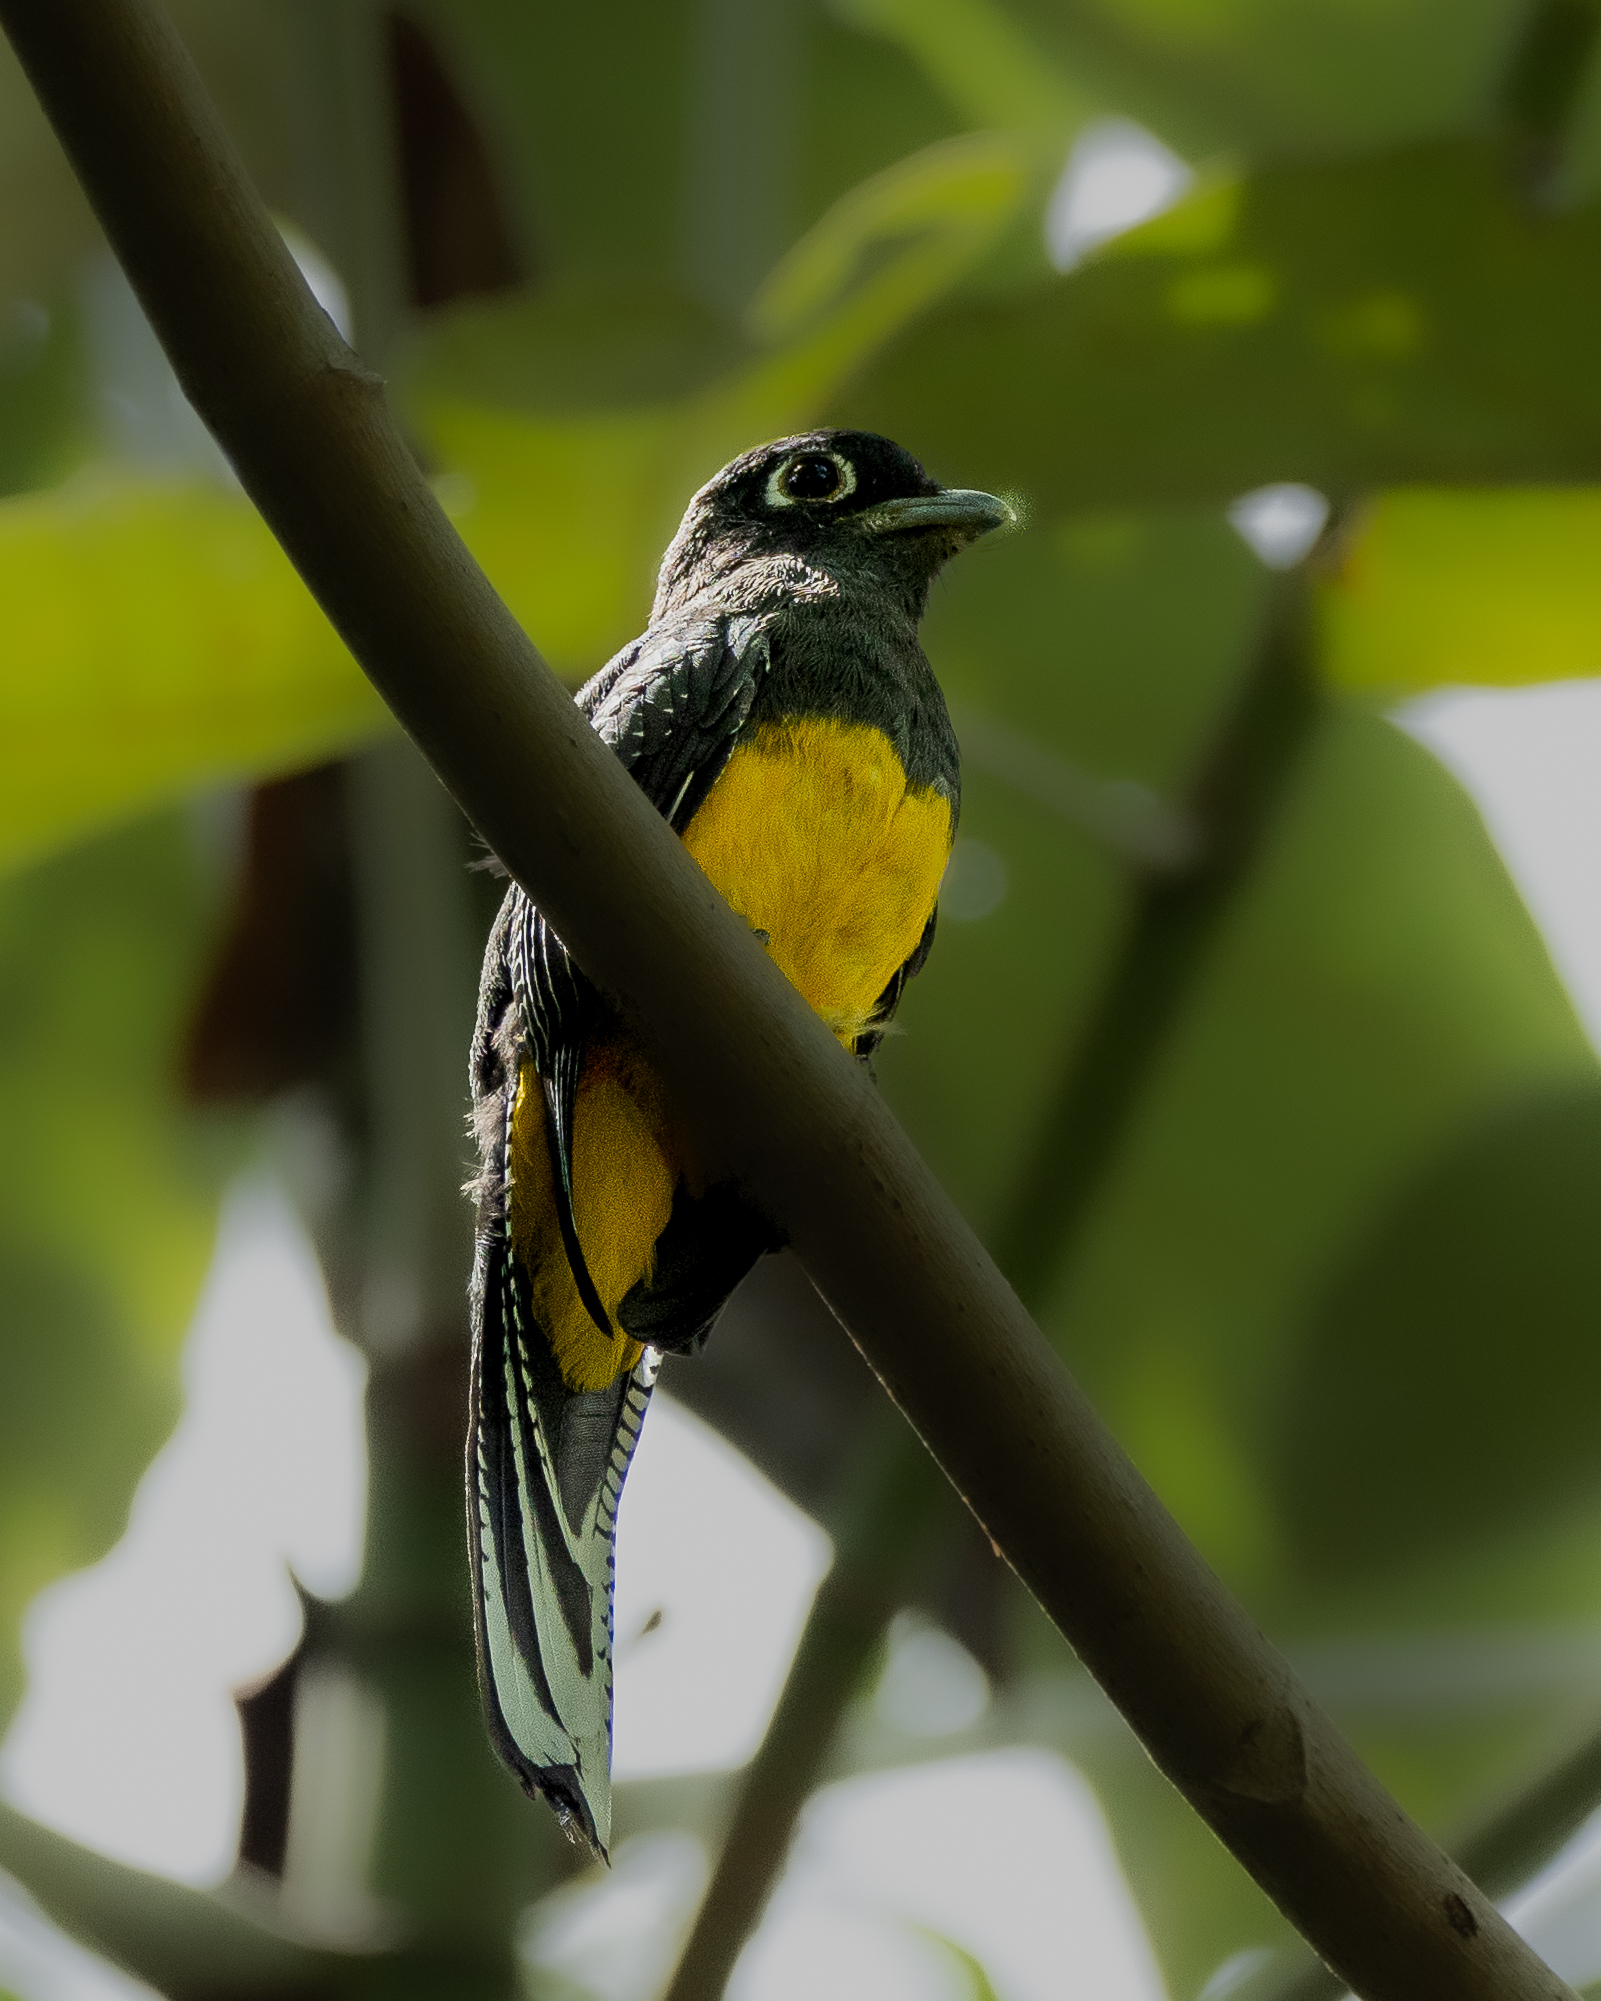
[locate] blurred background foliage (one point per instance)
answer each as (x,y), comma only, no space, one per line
(1328,1260)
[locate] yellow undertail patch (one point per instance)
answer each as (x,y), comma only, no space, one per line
(623,1185)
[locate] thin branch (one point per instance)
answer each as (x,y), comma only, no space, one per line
(1541,85)
(1503,1850)
(766,1091)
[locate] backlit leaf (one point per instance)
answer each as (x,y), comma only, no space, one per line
(157,641)
(1440,586)
(1394,319)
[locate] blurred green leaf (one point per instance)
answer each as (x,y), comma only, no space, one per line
(1381,994)
(108,1193)
(885,249)
(983,59)
(1321,74)
(161,640)
(41,393)
(1377,321)
(1442,587)
(1382,999)
(1286,1256)
(1116,642)
(1453,1359)
(582,344)
(1209,74)
(158,641)
(569,508)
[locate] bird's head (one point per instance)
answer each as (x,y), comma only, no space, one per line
(847,503)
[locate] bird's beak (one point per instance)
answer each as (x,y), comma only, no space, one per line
(962,508)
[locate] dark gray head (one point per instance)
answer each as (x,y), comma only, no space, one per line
(847,503)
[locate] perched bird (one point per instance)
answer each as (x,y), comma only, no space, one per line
(781,714)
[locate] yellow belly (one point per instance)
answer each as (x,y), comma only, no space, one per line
(813,835)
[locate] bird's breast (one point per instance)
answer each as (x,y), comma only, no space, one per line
(814,836)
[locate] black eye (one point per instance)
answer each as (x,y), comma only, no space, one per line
(811,478)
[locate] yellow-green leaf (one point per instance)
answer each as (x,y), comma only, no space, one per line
(987,64)
(568,511)
(158,640)
(1444,587)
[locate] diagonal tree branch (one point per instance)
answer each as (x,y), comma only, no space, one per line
(1500,1852)
(1540,86)
(1166,947)
(894,1500)
(766,1092)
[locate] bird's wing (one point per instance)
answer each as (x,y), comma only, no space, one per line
(546,1463)
(673,712)
(890,999)
(710,1243)
(671,706)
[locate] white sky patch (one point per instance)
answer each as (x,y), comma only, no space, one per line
(128,1739)
(1005,1854)
(1235,1971)
(1531,758)
(323,281)
(265,1474)
(931,1685)
(1117,175)
(38,1962)
(715,1575)
(1280,523)
(617,1934)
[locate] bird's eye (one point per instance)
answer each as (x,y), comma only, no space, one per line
(810,479)
(811,476)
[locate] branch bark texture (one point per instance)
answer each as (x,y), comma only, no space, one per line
(767,1093)
(1500,1852)
(1167,946)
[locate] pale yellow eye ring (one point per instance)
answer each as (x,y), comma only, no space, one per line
(777,497)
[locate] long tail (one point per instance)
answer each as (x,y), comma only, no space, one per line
(545,1472)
